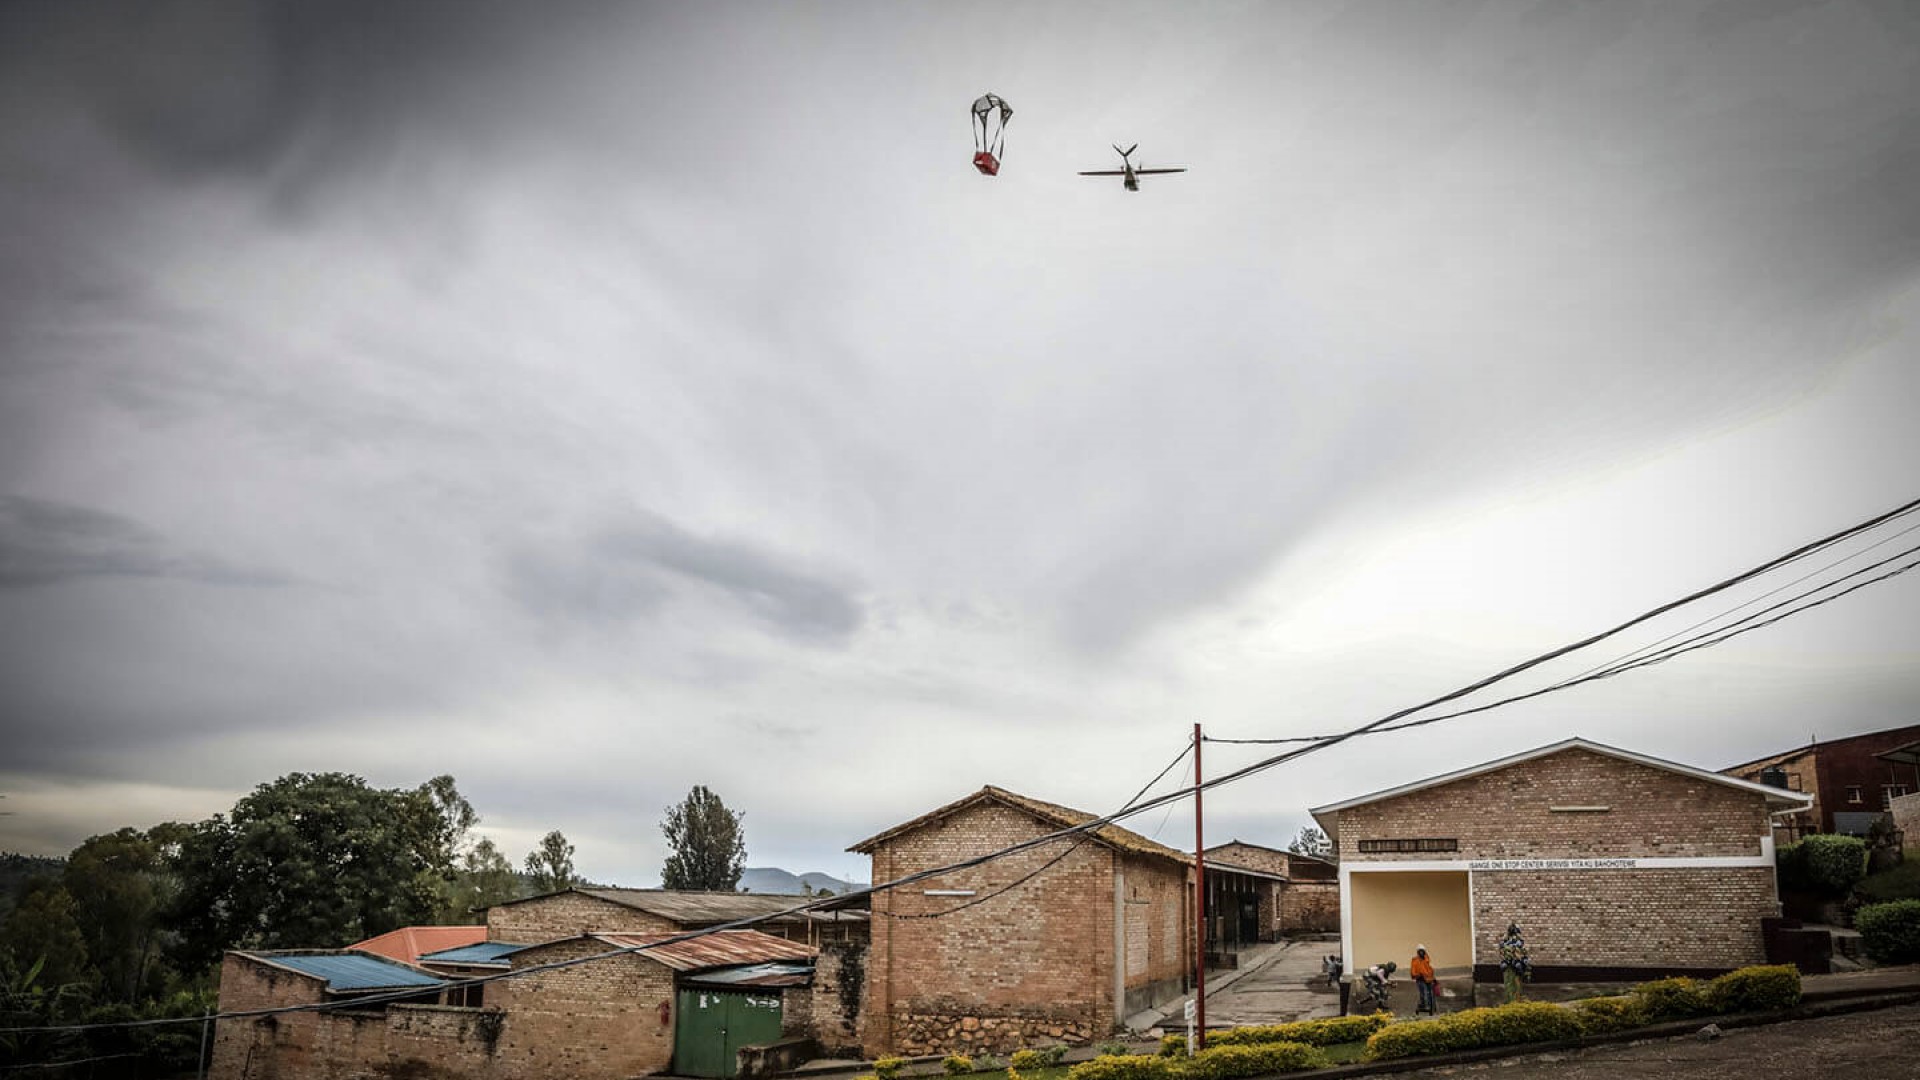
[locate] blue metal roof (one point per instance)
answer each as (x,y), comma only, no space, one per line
(484,952)
(353,970)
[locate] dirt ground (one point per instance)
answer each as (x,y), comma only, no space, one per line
(1880,1045)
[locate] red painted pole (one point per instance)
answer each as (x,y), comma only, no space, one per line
(1199,906)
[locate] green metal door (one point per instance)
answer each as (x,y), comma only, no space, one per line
(714,1024)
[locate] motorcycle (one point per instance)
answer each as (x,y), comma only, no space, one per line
(1373,985)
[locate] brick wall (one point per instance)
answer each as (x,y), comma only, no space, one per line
(1251,856)
(596,1019)
(1308,907)
(1034,964)
(836,1006)
(1701,918)
(568,914)
(1706,918)
(1906,818)
(1506,814)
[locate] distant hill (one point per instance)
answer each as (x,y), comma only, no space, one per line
(773,881)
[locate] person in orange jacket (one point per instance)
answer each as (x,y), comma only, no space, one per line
(1422,971)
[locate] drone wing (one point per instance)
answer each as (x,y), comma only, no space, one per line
(1104,172)
(1150,172)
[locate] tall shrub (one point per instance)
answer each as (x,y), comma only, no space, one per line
(1834,864)
(1890,932)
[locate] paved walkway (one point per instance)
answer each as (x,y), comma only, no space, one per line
(1274,984)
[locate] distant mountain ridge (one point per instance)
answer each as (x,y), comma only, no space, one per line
(773,881)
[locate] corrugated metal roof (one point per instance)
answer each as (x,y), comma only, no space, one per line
(768,975)
(725,948)
(1060,817)
(409,943)
(698,909)
(350,970)
(485,952)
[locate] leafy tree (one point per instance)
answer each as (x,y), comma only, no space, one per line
(455,818)
(120,883)
(484,878)
(709,849)
(43,937)
(1311,841)
(309,860)
(550,865)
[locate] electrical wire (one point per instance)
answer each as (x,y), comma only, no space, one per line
(1091,824)
(1043,867)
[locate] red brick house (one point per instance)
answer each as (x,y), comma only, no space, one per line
(1056,944)
(1853,781)
(670,1008)
(1615,865)
(1293,894)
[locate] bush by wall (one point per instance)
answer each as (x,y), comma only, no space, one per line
(1833,863)
(961,1064)
(1672,999)
(1755,989)
(1601,1015)
(1330,1031)
(1890,932)
(887,1068)
(1506,1025)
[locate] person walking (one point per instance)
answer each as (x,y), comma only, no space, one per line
(1422,971)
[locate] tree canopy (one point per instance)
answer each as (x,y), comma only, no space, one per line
(708,845)
(311,861)
(1311,841)
(550,866)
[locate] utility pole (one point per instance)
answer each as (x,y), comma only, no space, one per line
(1199,905)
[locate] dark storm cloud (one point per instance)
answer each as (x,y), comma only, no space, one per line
(208,86)
(44,543)
(632,570)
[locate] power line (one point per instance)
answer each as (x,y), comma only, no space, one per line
(1094,823)
(1050,863)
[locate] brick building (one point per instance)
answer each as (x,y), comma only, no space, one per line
(1056,944)
(1853,781)
(585,910)
(1296,894)
(692,1007)
(1615,865)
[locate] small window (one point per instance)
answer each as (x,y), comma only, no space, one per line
(1853,794)
(1793,782)
(1890,792)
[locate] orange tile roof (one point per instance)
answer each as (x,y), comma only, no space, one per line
(409,943)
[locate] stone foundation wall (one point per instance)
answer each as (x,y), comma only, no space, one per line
(916,1034)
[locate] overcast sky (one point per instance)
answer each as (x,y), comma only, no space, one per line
(591,401)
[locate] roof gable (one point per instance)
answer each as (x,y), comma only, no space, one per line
(1777,798)
(1051,814)
(409,943)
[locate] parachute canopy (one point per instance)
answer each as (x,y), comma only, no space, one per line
(990,115)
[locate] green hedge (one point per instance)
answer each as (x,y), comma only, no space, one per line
(1755,989)
(1213,1063)
(1601,1015)
(1236,1062)
(1890,932)
(1327,1032)
(1123,1067)
(1673,999)
(1520,1022)
(1824,863)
